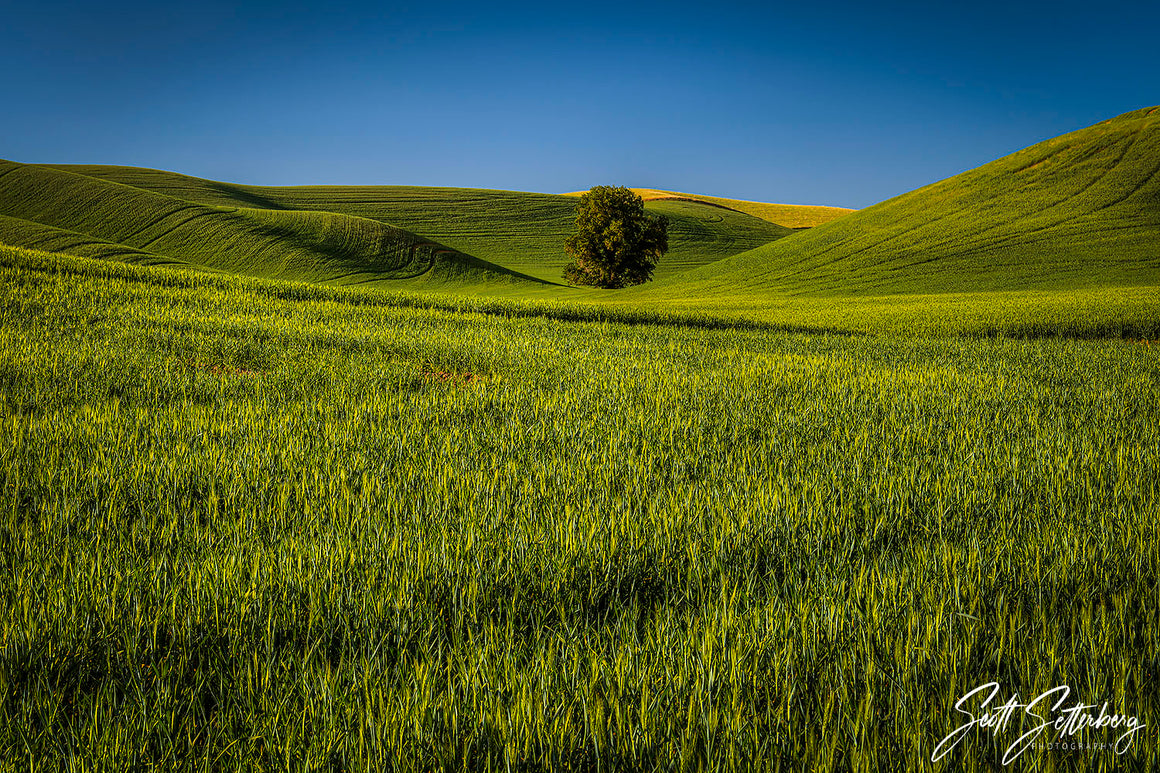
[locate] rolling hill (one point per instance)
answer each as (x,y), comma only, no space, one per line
(1077,211)
(794,216)
(56,210)
(524,232)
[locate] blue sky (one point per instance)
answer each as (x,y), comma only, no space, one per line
(827,103)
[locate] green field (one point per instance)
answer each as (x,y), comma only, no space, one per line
(344,479)
(521,231)
(1077,211)
(788,215)
(45,208)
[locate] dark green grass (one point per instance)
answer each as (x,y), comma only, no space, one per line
(1077,211)
(248,525)
(522,231)
(33,235)
(1099,313)
(52,209)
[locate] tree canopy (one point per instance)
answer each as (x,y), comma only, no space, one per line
(616,243)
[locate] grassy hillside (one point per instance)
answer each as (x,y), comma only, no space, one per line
(787,215)
(522,231)
(58,210)
(33,235)
(1081,210)
(1077,211)
(255,525)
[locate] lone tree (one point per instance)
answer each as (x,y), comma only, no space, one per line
(616,243)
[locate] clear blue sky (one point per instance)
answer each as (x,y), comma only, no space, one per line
(828,103)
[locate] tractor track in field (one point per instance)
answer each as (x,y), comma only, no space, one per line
(1135,189)
(155,221)
(168,231)
(76,244)
(434,253)
(414,249)
(693,200)
(1042,160)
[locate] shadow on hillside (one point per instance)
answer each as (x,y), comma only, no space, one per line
(243,195)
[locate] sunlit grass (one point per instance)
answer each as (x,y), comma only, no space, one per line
(250,525)
(524,232)
(59,211)
(1076,211)
(788,215)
